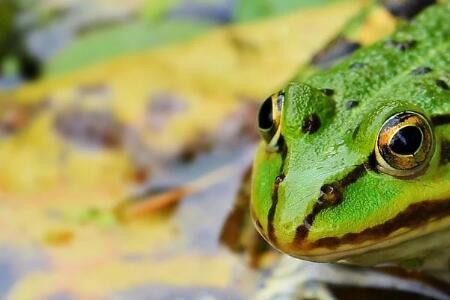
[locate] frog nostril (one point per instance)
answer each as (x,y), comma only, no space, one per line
(330,195)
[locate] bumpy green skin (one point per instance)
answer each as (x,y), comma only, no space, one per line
(346,139)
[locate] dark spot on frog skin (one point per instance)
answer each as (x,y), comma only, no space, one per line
(328,92)
(442,84)
(421,71)
(406,9)
(351,104)
(357,65)
(355,132)
(400,45)
(337,49)
(311,124)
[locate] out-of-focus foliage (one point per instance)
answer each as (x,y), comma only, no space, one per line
(13,50)
(156,10)
(254,9)
(159,25)
(62,191)
(102,45)
(9,11)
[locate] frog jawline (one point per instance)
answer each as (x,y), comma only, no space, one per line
(347,252)
(411,222)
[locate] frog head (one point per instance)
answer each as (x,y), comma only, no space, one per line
(334,180)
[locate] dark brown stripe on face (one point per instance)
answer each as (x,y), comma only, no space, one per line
(271,215)
(331,194)
(270,229)
(445,152)
(440,120)
(353,175)
(415,216)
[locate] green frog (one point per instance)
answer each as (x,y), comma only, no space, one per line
(353,165)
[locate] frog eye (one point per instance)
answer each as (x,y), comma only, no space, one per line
(269,117)
(405,145)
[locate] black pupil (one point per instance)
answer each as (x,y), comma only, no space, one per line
(406,141)
(265,117)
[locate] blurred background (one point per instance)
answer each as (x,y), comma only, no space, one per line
(126,128)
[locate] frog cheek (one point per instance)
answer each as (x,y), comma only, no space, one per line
(304,199)
(266,177)
(293,236)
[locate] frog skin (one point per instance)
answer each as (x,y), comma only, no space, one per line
(354,162)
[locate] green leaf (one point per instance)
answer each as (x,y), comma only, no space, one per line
(248,10)
(154,11)
(104,44)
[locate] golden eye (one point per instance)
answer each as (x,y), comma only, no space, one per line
(405,145)
(269,117)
